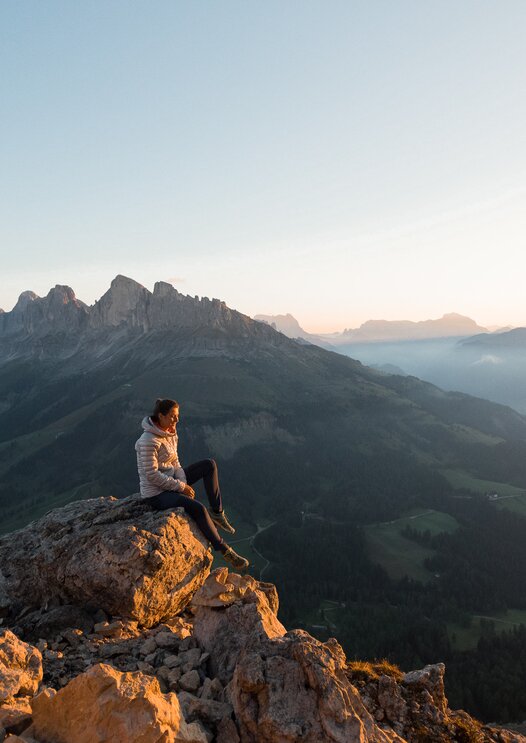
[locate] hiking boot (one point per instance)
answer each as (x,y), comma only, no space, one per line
(237,562)
(221,520)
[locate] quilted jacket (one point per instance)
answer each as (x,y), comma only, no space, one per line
(157,460)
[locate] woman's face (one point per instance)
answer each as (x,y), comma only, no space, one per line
(170,419)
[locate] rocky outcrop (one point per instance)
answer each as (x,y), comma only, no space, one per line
(414,705)
(295,688)
(118,556)
(119,707)
(224,670)
(20,667)
(248,616)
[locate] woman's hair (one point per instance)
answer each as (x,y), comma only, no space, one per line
(163,407)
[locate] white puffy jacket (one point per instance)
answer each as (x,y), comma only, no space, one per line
(157,460)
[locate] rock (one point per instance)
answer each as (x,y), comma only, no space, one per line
(106,706)
(197,708)
(188,643)
(15,716)
(167,640)
(100,616)
(172,661)
(224,633)
(115,555)
(216,687)
(204,731)
(190,681)
(295,688)
(222,588)
(191,657)
(145,667)
(48,624)
(205,692)
(20,667)
(73,637)
(227,732)
(216,591)
(173,678)
(118,629)
(179,627)
(148,646)
(391,701)
(430,679)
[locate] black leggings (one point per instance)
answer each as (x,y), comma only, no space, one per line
(206,470)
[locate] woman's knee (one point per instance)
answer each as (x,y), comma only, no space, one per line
(212,464)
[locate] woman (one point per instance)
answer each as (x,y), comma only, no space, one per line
(168,485)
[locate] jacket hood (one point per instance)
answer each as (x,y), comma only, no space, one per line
(151,427)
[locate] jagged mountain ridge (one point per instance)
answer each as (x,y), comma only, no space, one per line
(126,302)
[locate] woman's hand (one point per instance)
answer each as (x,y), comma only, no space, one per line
(188,491)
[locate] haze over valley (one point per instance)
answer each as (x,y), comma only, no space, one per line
(453,352)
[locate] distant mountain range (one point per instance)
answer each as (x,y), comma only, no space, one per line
(514,339)
(451,325)
(316,452)
(289,326)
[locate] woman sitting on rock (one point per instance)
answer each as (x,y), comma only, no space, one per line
(168,485)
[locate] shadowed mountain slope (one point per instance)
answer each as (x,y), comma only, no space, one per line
(76,381)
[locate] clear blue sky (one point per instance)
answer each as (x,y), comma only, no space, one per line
(337,160)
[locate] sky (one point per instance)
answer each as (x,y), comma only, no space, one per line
(338,160)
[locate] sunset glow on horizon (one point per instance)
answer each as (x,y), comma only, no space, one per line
(340,162)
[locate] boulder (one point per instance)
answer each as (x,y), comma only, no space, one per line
(295,688)
(20,667)
(104,553)
(246,620)
(207,710)
(103,705)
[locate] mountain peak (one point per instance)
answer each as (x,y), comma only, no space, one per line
(165,289)
(125,301)
(62,294)
(24,300)
(124,281)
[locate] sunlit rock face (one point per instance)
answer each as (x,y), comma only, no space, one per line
(20,667)
(119,556)
(105,705)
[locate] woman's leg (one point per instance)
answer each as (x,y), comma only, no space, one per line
(206,470)
(171,499)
